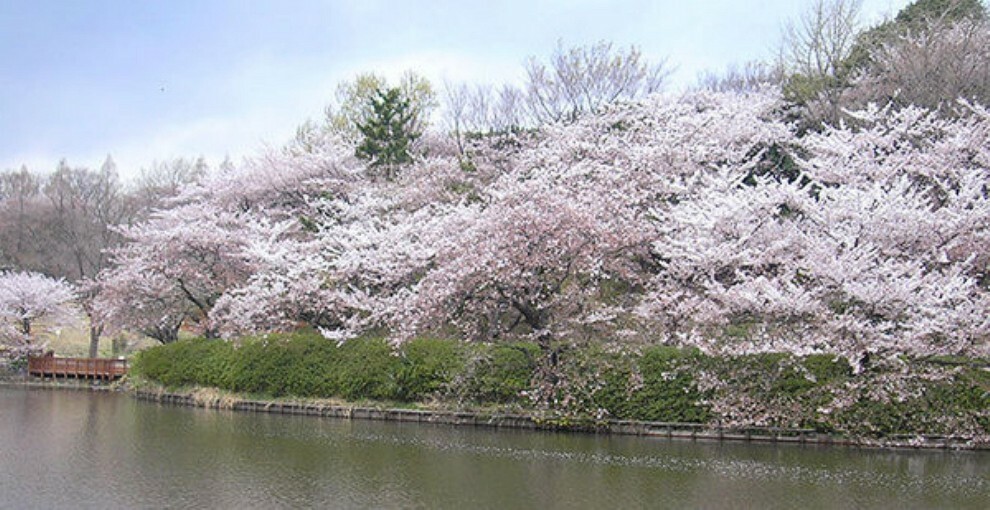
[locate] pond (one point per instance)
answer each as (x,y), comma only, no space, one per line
(62,448)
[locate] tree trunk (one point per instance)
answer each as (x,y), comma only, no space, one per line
(26,329)
(546,380)
(94,340)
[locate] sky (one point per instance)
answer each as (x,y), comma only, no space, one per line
(147,81)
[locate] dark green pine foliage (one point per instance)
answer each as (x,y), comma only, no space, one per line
(388,132)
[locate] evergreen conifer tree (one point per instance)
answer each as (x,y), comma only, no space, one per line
(388,132)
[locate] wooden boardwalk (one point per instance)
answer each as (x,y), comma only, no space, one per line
(79,368)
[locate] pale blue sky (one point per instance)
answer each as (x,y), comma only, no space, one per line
(148,81)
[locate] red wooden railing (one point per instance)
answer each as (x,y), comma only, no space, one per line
(80,368)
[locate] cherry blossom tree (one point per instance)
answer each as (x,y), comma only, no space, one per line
(174,267)
(878,247)
(553,239)
(239,240)
(930,66)
(31,306)
(701,220)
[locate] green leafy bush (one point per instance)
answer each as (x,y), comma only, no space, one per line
(498,373)
(257,367)
(827,368)
(669,392)
(188,362)
(298,364)
(366,368)
(428,365)
(658,384)
(617,383)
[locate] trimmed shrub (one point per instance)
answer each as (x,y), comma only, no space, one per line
(261,365)
(669,391)
(298,364)
(188,362)
(498,373)
(659,384)
(827,368)
(366,368)
(428,365)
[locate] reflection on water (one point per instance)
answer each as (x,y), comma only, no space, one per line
(80,449)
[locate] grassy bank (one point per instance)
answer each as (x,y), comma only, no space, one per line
(948,397)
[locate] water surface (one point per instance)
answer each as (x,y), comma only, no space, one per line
(78,449)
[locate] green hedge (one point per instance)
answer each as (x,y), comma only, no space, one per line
(669,391)
(497,373)
(655,384)
(187,362)
(307,365)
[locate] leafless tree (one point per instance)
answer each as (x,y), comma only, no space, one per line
(812,54)
(750,76)
(20,202)
(509,109)
(61,225)
(83,207)
(163,180)
(481,109)
(83,204)
(456,101)
(818,42)
(583,79)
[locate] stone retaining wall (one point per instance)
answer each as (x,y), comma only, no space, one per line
(691,431)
